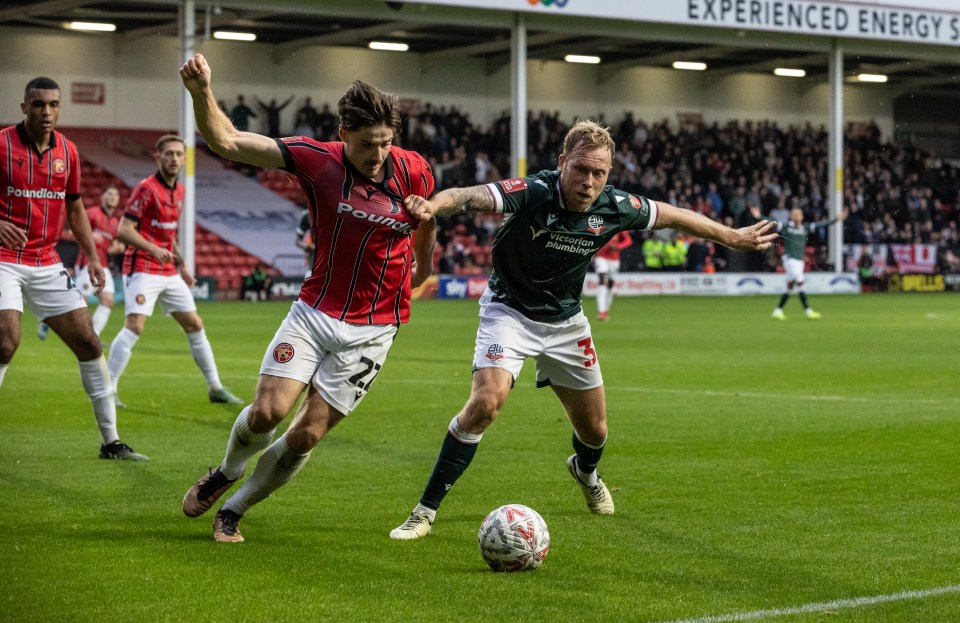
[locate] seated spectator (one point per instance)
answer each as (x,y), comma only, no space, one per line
(257,284)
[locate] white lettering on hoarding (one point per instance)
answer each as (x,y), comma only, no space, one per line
(917,21)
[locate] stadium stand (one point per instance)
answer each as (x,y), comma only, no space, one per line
(215,257)
(895,193)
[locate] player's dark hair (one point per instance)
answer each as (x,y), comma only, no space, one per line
(588,135)
(40,82)
(167,138)
(364,105)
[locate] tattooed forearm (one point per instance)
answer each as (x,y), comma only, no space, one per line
(471,199)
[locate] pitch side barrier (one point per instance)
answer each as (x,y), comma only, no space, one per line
(641,284)
(915,283)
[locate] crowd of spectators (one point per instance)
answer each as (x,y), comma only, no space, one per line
(736,172)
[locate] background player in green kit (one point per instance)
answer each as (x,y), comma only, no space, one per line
(794,248)
(556,221)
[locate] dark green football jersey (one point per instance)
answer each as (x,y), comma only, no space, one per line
(542,251)
(795,236)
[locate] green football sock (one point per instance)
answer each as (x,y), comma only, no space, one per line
(455,457)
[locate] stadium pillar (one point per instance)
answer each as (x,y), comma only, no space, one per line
(835,183)
(518,88)
(189,133)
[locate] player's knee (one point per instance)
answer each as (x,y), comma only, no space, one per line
(303,437)
(596,435)
(603,279)
(86,346)
(591,427)
(266,413)
(134,323)
(482,410)
(192,324)
(8,346)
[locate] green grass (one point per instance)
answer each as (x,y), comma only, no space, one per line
(755,465)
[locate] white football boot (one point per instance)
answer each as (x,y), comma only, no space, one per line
(597,496)
(417,525)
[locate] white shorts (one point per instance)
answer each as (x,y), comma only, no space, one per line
(49,290)
(603,266)
(141,291)
(794,269)
(564,351)
(82,278)
(341,359)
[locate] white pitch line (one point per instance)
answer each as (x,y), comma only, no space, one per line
(655,390)
(763,395)
(823,606)
(734,394)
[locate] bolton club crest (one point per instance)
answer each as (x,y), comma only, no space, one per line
(595,224)
(495,352)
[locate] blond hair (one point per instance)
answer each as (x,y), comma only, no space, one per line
(588,135)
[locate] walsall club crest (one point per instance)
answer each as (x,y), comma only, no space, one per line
(59,166)
(495,352)
(595,224)
(283,352)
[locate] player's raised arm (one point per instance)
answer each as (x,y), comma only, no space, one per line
(216,128)
(451,201)
(756,237)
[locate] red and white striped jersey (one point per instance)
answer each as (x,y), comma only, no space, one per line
(155,208)
(362,233)
(34,190)
(106,226)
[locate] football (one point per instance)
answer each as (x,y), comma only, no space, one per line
(514,537)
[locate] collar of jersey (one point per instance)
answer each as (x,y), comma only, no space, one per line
(387,172)
(22,132)
(163,182)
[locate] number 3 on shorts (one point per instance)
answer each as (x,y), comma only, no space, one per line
(587,345)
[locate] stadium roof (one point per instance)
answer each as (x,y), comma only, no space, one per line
(442,32)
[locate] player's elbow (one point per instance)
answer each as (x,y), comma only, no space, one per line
(222,147)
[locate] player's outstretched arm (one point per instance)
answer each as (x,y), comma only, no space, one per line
(451,201)
(756,237)
(216,128)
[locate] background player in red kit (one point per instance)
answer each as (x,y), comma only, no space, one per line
(606,263)
(104,221)
(154,271)
(336,337)
(39,191)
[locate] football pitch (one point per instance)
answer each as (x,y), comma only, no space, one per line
(762,471)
